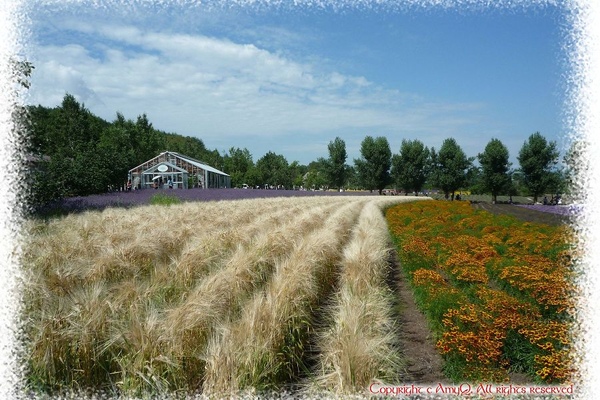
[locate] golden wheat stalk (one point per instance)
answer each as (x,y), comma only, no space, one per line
(109,294)
(211,247)
(247,268)
(98,282)
(359,344)
(266,341)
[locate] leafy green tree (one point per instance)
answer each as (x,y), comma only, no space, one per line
(474,180)
(79,128)
(353,181)
(297,172)
(115,155)
(237,163)
(495,168)
(65,141)
(273,170)
(538,159)
(576,164)
(187,145)
(410,166)
(316,175)
(42,130)
(149,141)
(557,181)
(336,169)
(374,166)
(315,180)
(253,177)
(518,184)
(450,166)
(21,71)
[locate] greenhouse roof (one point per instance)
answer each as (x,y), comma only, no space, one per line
(198,163)
(187,159)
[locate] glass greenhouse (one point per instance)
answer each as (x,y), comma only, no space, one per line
(183,172)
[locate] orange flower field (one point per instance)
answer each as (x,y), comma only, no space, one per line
(497,291)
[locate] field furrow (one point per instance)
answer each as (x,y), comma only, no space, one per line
(116,242)
(210,249)
(359,343)
(245,269)
(265,346)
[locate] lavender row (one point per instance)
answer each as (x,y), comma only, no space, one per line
(572,209)
(141,197)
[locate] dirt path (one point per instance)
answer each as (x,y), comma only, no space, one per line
(423,362)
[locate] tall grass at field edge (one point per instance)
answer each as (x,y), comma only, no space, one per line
(360,343)
(264,349)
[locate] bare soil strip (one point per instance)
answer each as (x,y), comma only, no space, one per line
(422,360)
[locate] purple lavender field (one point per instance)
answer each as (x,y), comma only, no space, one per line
(141,197)
(568,210)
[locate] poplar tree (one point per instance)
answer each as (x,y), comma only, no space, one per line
(335,166)
(538,159)
(374,166)
(495,168)
(410,166)
(450,167)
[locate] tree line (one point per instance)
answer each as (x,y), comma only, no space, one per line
(75,153)
(72,152)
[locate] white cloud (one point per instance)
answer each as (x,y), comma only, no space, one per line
(215,88)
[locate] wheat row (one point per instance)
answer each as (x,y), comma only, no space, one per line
(211,297)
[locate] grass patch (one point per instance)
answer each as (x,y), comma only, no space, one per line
(163,199)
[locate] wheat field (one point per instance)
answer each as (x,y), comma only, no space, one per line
(212,298)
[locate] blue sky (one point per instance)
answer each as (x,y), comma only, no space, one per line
(289,79)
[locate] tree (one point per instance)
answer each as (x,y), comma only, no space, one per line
(214,158)
(315,177)
(517,182)
(474,180)
(273,170)
(353,181)
(21,71)
(253,177)
(336,169)
(188,145)
(315,180)
(297,172)
(410,166)
(148,141)
(115,155)
(576,164)
(66,140)
(374,166)
(537,159)
(450,167)
(495,168)
(237,163)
